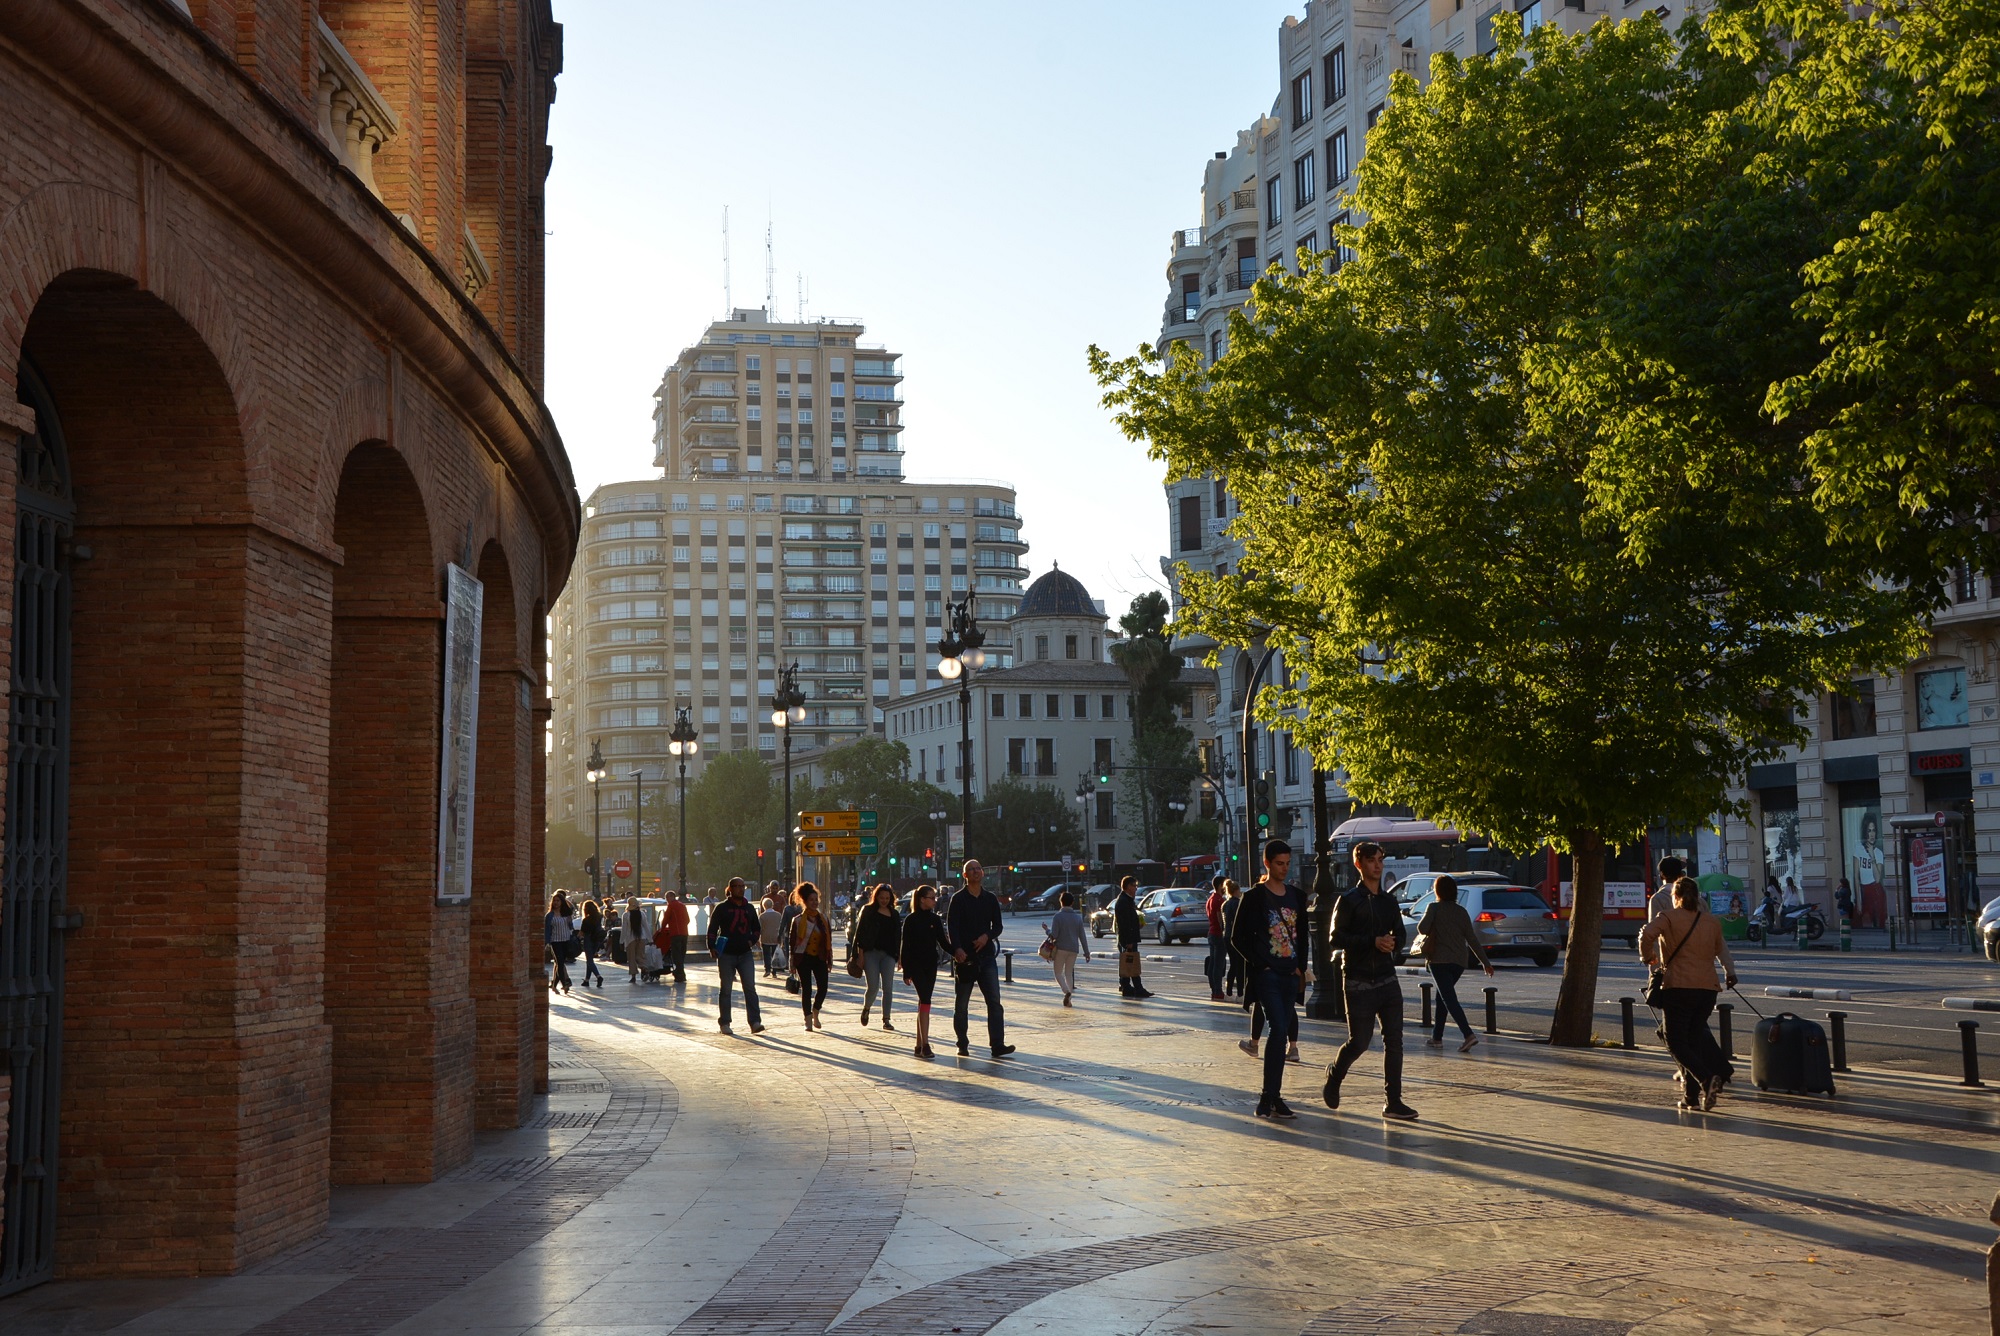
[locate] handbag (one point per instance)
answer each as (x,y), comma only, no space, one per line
(1047,950)
(1421,944)
(1656,977)
(854,964)
(1128,964)
(791,983)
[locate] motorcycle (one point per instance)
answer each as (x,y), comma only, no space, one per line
(1784,922)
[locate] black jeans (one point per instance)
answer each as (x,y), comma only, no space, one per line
(985,972)
(1447,977)
(1690,1040)
(812,974)
(1131,986)
(1376,1002)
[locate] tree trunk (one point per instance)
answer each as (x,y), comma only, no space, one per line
(1574,1020)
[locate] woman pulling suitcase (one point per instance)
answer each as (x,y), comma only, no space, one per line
(1684,945)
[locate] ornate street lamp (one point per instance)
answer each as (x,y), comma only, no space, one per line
(788,709)
(960,656)
(595,774)
(681,744)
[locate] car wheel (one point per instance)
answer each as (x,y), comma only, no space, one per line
(1160,934)
(1545,959)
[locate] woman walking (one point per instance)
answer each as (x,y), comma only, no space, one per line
(558,932)
(922,944)
(1233,981)
(1069,939)
(812,952)
(1450,944)
(592,933)
(878,933)
(1687,945)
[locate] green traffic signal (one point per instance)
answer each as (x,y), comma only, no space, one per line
(1263,820)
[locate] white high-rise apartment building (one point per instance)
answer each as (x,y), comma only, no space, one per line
(780,529)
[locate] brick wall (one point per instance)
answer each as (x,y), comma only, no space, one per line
(284,422)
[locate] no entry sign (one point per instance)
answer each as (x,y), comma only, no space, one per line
(622,868)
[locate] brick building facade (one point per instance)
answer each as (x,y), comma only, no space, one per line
(270,338)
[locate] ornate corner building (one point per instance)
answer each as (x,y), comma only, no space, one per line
(272,335)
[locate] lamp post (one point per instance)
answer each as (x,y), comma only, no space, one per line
(1328,1001)
(1086,789)
(681,744)
(788,708)
(595,774)
(943,818)
(960,656)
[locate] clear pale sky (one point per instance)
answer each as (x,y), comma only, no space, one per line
(990,188)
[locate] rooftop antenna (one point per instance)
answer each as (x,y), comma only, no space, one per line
(769,303)
(800,314)
(728,297)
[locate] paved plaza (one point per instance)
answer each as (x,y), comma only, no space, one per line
(1110,1178)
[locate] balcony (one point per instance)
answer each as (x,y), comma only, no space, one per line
(1243,199)
(871,368)
(353,116)
(1185,310)
(1187,238)
(1242,278)
(882,396)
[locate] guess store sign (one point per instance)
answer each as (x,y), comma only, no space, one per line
(1938,762)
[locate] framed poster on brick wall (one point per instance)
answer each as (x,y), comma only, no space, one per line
(464,602)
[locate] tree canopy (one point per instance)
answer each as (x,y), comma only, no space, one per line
(1162,764)
(1541,565)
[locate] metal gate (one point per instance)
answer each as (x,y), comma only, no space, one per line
(34,862)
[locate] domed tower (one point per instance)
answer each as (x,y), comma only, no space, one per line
(1058,620)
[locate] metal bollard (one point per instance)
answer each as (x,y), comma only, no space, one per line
(1727,1039)
(1968,1043)
(1838,1019)
(1427,1004)
(1892,934)
(1625,1018)
(1846,934)
(1802,932)
(1492,1011)
(1010,965)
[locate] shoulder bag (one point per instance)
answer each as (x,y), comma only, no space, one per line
(1656,977)
(1047,950)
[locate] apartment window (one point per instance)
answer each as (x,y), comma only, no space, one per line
(1334,69)
(1375,114)
(1079,707)
(1852,711)
(1069,647)
(1302,181)
(1017,756)
(1107,707)
(1104,818)
(999,706)
(1102,757)
(1052,706)
(1308,246)
(1214,344)
(1964,584)
(1302,99)
(1190,523)
(1337,162)
(1027,706)
(1342,252)
(1274,202)
(1291,760)
(1045,756)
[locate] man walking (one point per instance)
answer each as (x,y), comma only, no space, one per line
(733,933)
(1125,914)
(1268,937)
(1672,869)
(675,952)
(1368,928)
(972,927)
(1217,964)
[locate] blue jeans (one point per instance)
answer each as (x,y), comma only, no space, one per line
(1217,964)
(736,964)
(879,968)
(1277,993)
(1447,977)
(590,966)
(983,970)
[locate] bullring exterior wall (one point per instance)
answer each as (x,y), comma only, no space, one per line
(291,396)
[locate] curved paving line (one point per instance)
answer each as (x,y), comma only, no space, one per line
(799,1281)
(1447,1302)
(398,1273)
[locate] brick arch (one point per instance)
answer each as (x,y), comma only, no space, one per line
(505,948)
(189,921)
(396,998)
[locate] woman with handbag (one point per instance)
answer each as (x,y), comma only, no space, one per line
(1684,946)
(560,935)
(812,952)
(878,934)
(921,947)
(1449,944)
(1066,940)
(592,933)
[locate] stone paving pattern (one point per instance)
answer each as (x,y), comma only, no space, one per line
(1110,1179)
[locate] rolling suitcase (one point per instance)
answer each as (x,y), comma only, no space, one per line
(1789,1054)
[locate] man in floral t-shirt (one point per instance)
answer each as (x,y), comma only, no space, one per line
(1267,937)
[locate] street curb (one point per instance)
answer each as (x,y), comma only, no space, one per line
(1813,994)
(1972,1003)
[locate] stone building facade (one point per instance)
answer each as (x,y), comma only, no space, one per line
(271,339)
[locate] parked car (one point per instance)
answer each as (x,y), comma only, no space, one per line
(1989,928)
(1510,920)
(1104,918)
(1046,902)
(1175,913)
(1418,885)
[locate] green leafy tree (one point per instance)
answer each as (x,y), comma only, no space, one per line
(1434,504)
(564,851)
(1163,762)
(1002,817)
(733,810)
(874,773)
(1888,116)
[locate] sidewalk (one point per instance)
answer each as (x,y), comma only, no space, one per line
(1110,1179)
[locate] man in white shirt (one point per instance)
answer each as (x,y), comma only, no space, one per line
(1672,869)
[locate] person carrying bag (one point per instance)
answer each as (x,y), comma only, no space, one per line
(1449,944)
(1683,986)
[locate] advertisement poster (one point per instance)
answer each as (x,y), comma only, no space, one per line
(464,602)
(1865,862)
(1617,894)
(1783,863)
(1927,893)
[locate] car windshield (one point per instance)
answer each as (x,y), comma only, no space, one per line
(1520,901)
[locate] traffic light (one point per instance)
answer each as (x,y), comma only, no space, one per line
(590,868)
(760,855)
(928,855)
(1260,799)
(892,860)
(1103,775)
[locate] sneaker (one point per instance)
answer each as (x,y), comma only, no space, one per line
(1004,1051)
(964,1049)
(1399,1111)
(756,1029)
(1292,1053)
(887,1026)
(1331,1093)
(1471,1042)
(1263,1108)
(1215,997)
(1248,1046)
(1433,1043)
(1280,1109)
